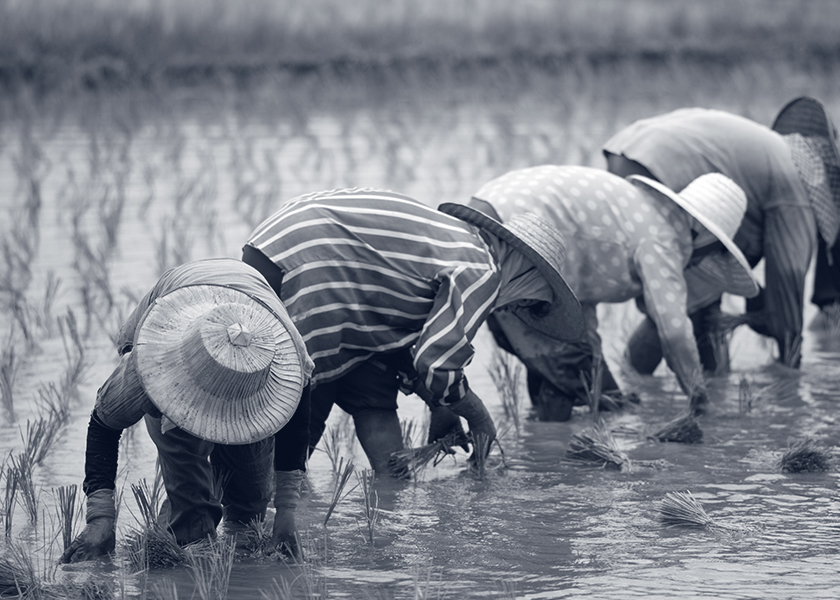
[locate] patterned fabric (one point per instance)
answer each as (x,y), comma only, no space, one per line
(779,225)
(621,243)
(807,154)
(369,271)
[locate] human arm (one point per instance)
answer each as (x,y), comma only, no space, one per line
(789,242)
(291,446)
(463,300)
(665,298)
(98,538)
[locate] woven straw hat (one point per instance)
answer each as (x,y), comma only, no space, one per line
(808,118)
(719,204)
(544,246)
(219,364)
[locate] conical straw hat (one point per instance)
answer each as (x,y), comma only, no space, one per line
(719,204)
(544,246)
(219,364)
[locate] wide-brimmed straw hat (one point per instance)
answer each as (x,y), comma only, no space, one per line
(219,363)
(544,247)
(719,204)
(810,132)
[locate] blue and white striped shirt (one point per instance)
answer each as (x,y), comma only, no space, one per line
(369,271)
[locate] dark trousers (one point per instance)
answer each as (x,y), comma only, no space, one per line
(827,276)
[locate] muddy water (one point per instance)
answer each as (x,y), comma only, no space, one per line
(192,181)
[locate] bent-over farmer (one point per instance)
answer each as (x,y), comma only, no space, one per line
(211,361)
(625,239)
(388,294)
(791,176)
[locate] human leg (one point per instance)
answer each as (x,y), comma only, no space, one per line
(243,475)
(195,512)
(827,284)
(369,394)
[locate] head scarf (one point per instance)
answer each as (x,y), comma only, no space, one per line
(520,279)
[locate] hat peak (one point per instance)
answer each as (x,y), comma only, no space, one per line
(239,335)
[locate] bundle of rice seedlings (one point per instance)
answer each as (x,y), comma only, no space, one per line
(151,546)
(683,430)
(21,469)
(805,456)
(343,476)
(478,459)
(410,462)
(16,574)
(597,445)
(257,538)
(681,508)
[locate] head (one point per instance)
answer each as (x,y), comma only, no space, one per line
(541,246)
(812,139)
(221,364)
(716,206)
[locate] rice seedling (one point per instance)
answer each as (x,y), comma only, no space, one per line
(42,434)
(745,396)
(21,469)
(780,390)
(410,462)
(481,450)
(164,589)
(592,387)
(410,430)
(719,341)
(9,497)
(279,590)
(506,372)
(17,573)
(338,494)
(597,445)
(8,374)
(805,456)
(67,513)
(792,353)
(74,352)
(682,430)
(681,508)
(371,502)
(210,563)
(331,443)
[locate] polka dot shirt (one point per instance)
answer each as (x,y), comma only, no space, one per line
(621,243)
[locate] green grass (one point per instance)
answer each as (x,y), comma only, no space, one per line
(67,44)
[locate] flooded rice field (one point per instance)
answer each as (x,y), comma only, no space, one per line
(98,197)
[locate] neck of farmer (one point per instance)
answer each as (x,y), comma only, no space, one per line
(520,280)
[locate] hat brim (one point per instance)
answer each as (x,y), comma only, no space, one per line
(741,282)
(208,413)
(563,318)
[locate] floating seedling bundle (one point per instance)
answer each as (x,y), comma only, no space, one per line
(805,456)
(683,430)
(681,508)
(409,462)
(597,445)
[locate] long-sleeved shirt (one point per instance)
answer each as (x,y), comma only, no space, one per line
(621,243)
(122,405)
(370,271)
(779,224)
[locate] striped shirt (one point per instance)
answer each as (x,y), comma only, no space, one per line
(370,271)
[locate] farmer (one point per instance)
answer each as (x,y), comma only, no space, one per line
(212,363)
(791,175)
(624,239)
(388,294)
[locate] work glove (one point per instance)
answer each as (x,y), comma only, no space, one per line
(473,410)
(287,486)
(442,423)
(98,538)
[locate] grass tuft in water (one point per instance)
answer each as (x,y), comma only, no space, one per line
(371,502)
(805,456)
(598,446)
(506,372)
(681,508)
(210,563)
(66,510)
(682,430)
(151,545)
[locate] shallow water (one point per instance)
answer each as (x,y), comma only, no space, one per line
(192,181)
